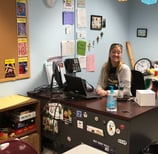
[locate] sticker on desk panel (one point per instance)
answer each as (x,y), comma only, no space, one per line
(80,124)
(122,141)
(50,124)
(78,113)
(111,128)
(95,130)
(85,114)
(118,131)
(100,145)
(67,116)
(55,110)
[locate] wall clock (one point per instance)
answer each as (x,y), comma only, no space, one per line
(142,65)
(50,3)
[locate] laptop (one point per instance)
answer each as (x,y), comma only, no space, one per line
(78,87)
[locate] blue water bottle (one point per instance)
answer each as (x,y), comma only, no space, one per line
(111,104)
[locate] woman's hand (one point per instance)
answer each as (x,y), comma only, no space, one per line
(102,92)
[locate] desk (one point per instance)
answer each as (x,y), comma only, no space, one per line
(126,131)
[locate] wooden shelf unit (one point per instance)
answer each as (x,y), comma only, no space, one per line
(30,136)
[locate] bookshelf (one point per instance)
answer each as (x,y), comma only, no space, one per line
(25,125)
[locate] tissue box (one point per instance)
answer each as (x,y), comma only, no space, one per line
(145,97)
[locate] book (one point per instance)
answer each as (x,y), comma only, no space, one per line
(24,129)
(9,68)
(21,27)
(21,124)
(23,65)
(21,8)
(22,47)
(17,117)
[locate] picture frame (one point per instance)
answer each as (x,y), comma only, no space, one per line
(141,32)
(96,22)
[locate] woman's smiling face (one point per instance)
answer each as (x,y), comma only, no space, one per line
(115,55)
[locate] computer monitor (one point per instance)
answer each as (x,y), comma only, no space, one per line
(56,75)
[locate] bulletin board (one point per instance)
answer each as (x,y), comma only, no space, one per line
(14,40)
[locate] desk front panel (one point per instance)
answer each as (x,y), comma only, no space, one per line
(126,131)
(109,134)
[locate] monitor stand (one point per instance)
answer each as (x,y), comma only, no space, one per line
(55,90)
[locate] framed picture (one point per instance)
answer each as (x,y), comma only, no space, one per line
(141,32)
(96,22)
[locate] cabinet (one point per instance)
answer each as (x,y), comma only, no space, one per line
(16,120)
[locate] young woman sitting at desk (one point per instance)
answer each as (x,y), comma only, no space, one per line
(113,72)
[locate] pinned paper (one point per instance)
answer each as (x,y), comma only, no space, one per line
(68,18)
(67,48)
(81,47)
(82,60)
(90,61)
(81,17)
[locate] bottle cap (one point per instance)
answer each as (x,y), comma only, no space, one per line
(111,89)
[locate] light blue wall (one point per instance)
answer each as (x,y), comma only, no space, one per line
(145,16)
(116,15)
(46,33)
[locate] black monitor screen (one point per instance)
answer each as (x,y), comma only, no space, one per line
(56,76)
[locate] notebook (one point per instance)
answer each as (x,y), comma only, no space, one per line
(77,86)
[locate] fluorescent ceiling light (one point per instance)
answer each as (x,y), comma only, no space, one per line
(149,2)
(122,0)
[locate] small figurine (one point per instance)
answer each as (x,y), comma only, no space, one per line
(93,43)
(101,34)
(89,46)
(97,39)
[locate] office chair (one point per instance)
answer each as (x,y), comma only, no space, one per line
(137,81)
(16,147)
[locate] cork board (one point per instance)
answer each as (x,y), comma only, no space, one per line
(14,40)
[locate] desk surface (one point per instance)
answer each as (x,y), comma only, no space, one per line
(126,110)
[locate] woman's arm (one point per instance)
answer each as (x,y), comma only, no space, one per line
(100,85)
(125,77)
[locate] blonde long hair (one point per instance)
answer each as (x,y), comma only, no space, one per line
(108,64)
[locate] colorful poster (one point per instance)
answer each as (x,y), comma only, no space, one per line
(21,8)
(23,65)
(22,47)
(9,68)
(21,27)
